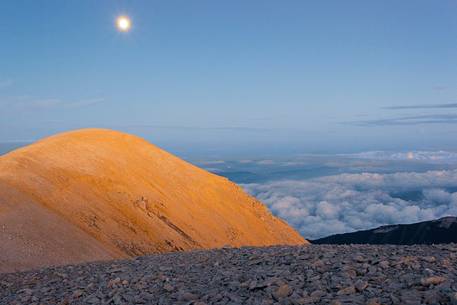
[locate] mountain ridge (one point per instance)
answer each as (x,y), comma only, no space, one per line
(99,194)
(438,231)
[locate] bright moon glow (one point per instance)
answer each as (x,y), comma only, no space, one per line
(123,23)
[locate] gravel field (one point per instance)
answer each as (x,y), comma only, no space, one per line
(317,274)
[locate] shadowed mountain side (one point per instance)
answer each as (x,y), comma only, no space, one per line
(97,194)
(440,231)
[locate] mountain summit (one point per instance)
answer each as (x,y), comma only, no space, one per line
(97,194)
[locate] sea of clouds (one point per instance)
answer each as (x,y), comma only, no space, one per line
(348,202)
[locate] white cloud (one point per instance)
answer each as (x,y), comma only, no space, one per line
(327,210)
(348,202)
(437,195)
(437,157)
(245,161)
(30,103)
(265,162)
(58,103)
(211,162)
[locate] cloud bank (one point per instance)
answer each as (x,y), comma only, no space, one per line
(423,106)
(438,157)
(447,118)
(349,202)
(29,103)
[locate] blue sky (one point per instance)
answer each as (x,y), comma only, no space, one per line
(259,75)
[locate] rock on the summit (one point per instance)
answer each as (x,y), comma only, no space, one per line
(360,285)
(187,296)
(373,301)
(433,280)
(346,290)
(285,276)
(453,298)
(282,292)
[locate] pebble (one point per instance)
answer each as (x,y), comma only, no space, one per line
(77,293)
(360,285)
(453,298)
(187,296)
(91,300)
(384,264)
(114,282)
(317,294)
(282,292)
(168,287)
(433,280)
(347,290)
(373,301)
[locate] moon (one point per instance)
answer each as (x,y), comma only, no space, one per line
(123,23)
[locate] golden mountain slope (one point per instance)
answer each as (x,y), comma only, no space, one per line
(98,194)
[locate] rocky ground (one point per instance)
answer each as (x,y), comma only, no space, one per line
(318,274)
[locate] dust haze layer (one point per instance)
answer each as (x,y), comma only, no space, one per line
(96,194)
